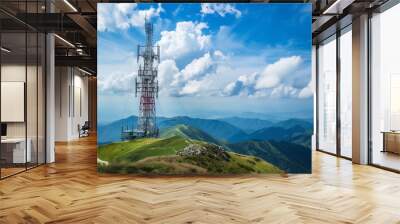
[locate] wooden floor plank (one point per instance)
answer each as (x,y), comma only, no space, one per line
(71,191)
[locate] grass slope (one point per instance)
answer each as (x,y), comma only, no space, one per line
(188,132)
(131,151)
(218,129)
(159,156)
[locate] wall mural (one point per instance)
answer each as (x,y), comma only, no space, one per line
(204,89)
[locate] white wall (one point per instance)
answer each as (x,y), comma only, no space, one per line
(71,94)
(80,109)
(62,82)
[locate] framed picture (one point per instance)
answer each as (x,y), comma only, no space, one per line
(204,89)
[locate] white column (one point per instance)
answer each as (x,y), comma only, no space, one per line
(50,99)
(360,90)
(62,103)
(50,92)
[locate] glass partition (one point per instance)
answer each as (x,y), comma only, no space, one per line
(385,89)
(327,95)
(346,92)
(13,108)
(22,88)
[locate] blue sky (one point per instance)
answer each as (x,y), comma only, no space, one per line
(216,59)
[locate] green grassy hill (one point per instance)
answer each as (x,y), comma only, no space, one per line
(131,151)
(186,131)
(161,156)
(218,129)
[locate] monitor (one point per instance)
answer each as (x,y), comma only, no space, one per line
(3,129)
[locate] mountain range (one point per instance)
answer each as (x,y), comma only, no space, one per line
(233,129)
(291,157)
(188,132)
(285,144)
(248,125)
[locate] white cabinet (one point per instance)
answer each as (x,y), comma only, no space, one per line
(19,155)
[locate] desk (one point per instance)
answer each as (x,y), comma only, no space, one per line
(391,141)
(13,150)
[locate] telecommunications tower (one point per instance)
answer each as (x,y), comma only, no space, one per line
(146,87)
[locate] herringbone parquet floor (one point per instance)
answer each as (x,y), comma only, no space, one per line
(71,191)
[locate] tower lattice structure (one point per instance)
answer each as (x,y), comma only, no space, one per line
(146,87)
(147,83)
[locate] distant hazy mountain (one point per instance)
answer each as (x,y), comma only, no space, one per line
(277,133)
(276,116)
(274,133)
(270,133)
(301,139)
(253,124)
(294,122)
(111,132)
(223,130)
(248,125)
(292,158)
(218,129)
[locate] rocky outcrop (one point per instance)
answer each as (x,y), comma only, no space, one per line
(209,150)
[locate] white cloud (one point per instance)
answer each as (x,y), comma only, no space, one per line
(274,73)
(307,91)
(177,10)
(244,85)
(120,16)
(218,54)
(167,69)
(191,88)
(193,79)
(125,7)
(249,79)
(270,82)
(226,38)
(137,19)
(232,89)
(187,37)
(221,9)
(283,91)
(118,84)
(195,69)
(116,70)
